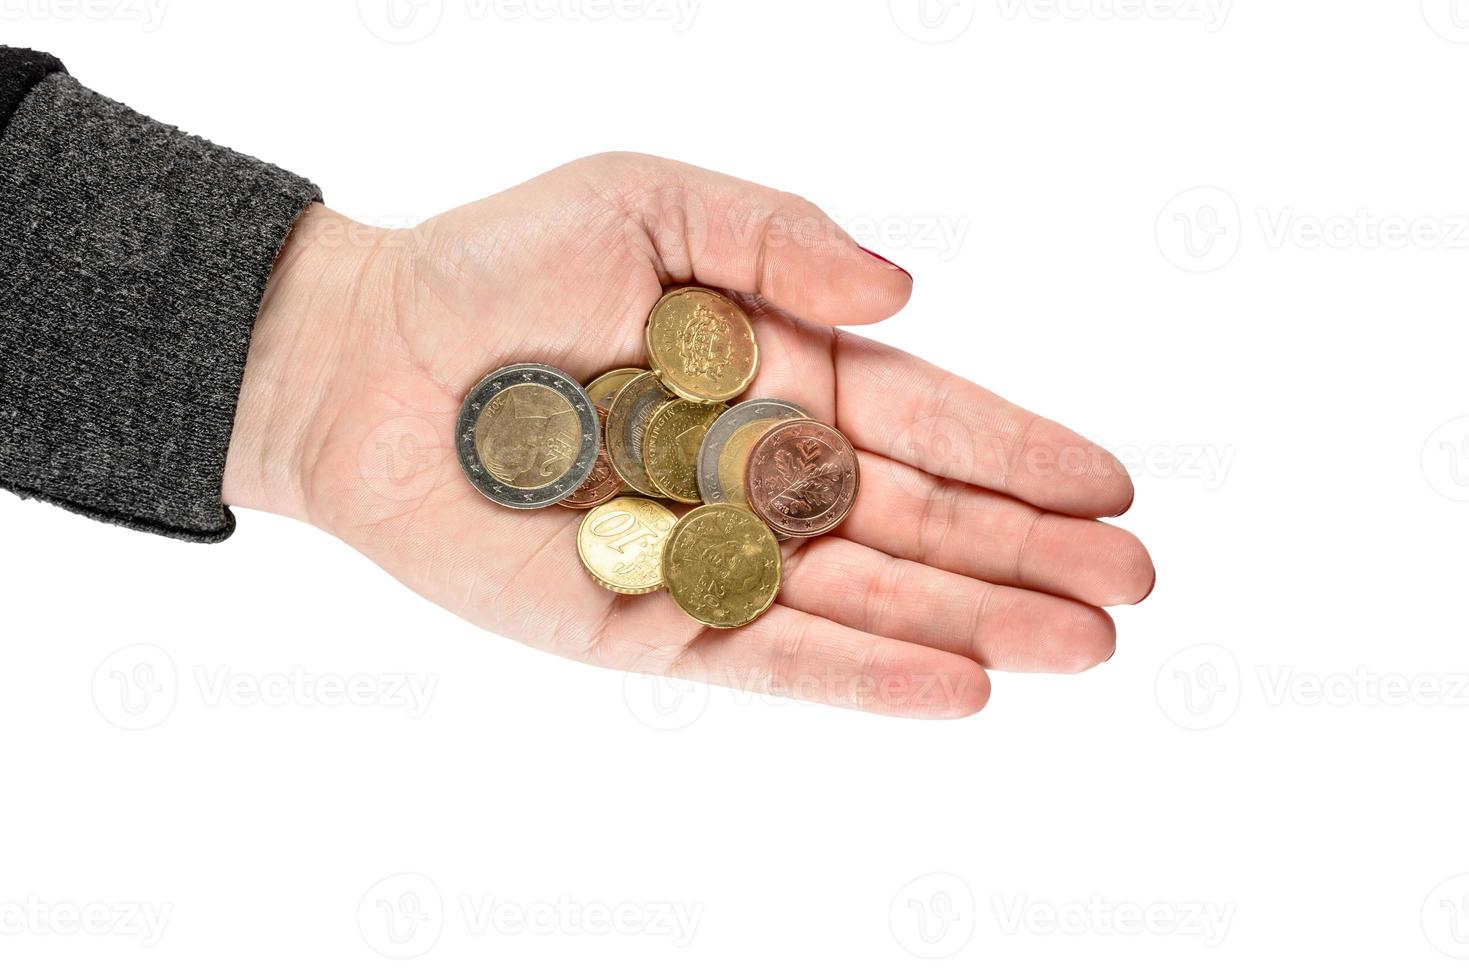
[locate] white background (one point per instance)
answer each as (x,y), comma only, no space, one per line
(1269,775)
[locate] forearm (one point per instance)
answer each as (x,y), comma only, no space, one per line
(135,259)
(299,342)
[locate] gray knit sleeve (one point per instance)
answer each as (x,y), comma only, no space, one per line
(133,259)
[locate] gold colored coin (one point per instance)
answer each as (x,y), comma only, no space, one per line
(621,544)
(627,420)
(722,565)
(604,387)
(701,345)
(736,455)
(528,436)
(671,447)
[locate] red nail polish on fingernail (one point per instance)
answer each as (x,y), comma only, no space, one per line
(886,261)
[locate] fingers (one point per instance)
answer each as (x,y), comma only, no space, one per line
(1000,627)
(737,235)
(951,525)
(897,405)
(795,361)
(795,654)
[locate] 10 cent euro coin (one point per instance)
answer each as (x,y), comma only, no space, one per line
(621,544)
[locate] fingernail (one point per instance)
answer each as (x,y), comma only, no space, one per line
(886,261)
(1128,506)
(1150,589)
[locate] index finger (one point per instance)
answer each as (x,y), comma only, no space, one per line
(897,405)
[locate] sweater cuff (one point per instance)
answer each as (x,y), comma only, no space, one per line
(135,258)
(21,69)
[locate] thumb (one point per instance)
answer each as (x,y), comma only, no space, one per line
(732,234)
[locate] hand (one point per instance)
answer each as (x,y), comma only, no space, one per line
(972,544)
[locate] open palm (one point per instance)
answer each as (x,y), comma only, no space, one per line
(973,543)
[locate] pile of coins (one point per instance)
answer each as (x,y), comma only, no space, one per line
(530,436)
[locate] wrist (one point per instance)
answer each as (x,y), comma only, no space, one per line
(295,355)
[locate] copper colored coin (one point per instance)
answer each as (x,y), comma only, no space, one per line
(802,478)
(602,484)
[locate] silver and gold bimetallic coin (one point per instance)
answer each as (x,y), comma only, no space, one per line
(627,421)
(701,345)
(724,485)
(604,387)
(527,436)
